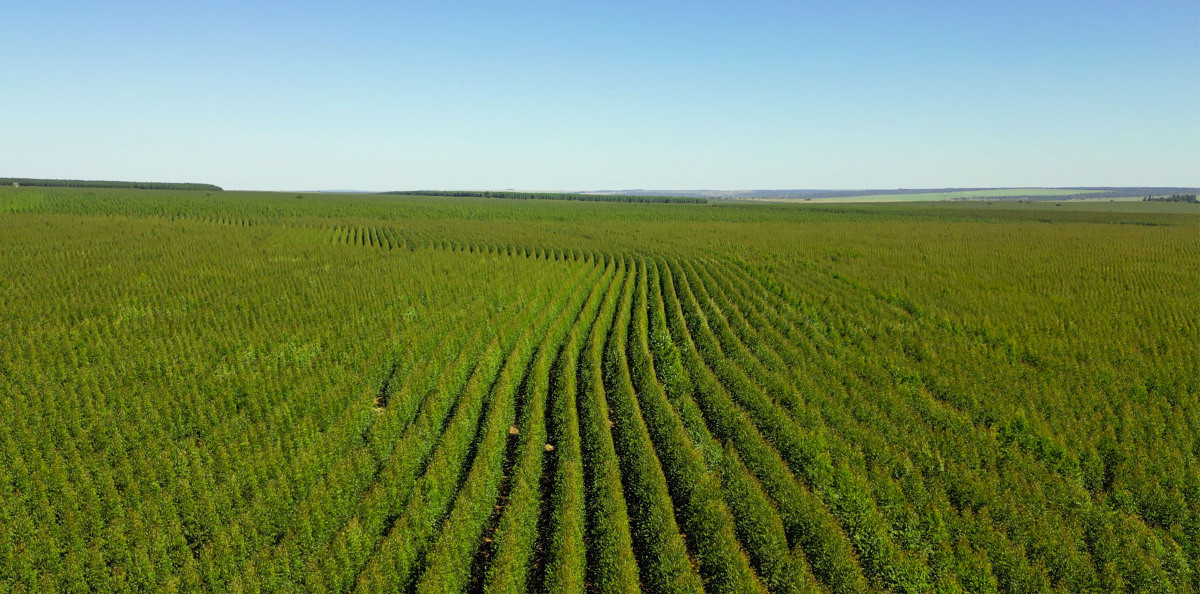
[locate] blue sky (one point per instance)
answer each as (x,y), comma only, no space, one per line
(604,95)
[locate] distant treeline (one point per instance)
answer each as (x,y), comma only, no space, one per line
(552,196)
(1081,192)
(87,183)
(1172,198)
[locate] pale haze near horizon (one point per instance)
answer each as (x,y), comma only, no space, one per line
(616,95)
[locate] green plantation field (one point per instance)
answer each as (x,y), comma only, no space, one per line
(253,392)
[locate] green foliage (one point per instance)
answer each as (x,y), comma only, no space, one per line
(611,563)
(666,566)
(696,490)
(516,533)
(80,183)
(1189,198)
(253,392)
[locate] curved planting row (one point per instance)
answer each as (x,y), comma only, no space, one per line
(696,489)
(510,567)
(812,529)
(611,565)
(448,565)
(415,238)
(844,493)
(481,417)
(1011,544)
(663,558)
(903,495)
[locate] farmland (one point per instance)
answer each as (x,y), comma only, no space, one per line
(234,391)
(1010,193)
